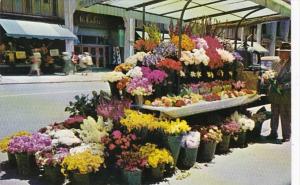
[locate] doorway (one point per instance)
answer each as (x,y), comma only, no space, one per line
(98,53)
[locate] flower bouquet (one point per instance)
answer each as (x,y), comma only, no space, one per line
(210,137)
(4,143)
(156,159)
(157,78)
(113,78)
(24,148)
(64,137)
(189,149)
(132,163)
(229,128)
(139,87)
(79,166)
(50,161)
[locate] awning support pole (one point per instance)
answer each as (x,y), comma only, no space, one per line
(144,21)
(238,26)
(180,27)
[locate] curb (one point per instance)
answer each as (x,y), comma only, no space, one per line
(19,83)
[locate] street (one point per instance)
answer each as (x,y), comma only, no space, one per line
(32,106)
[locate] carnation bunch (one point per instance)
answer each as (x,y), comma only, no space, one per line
(82,163)
(139,86)
(64,137)
(94,148)
(169,64)
(5,141)
(134,59)
(144,45)
(74,121)
(211,134)
(225,55)
(177,127)
(135,72)
(191,140)
(123,83)
(134,120)
(230,128)
(166,49)
(152,59)
(124,67)
(156,156)
(186,43)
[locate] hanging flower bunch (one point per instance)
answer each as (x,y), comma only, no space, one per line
(5,141)
(52,157)
(154,76)
(134,59)
(124,67)
(136,72)
(145,45)
(156,156)
(82,163)
(64,137)
(169,64)
(191,140)
(211,52)
(151,59)
(139,86)
(211,133)
(113,109)
(230,128)
(29,144)
(226,56)
(244,122)
(166,49)
(92,132)
(113,76)
(131,161)
(186,44)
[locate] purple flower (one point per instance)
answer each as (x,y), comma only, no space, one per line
(151,59)
(237,56)
(155,76)
(113,109)
(139,86)
(165,49)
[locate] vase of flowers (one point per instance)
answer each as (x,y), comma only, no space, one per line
(112,78)
(228,129)
(172,138)
(25,164)
(12,161)
(139,87)
(156,159)
(139,100)
(210,137)
(189,150)
(53,174)
(79,166)
(131,163)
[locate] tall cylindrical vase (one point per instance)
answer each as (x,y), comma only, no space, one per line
(80,179)
(132,177)
(173,144)
(53,175)
(139,100)
(187,158)
(26,164)
(223,146)
(207,151)
(11,159)
(241,141)
(158,172)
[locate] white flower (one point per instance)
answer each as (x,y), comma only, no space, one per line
(80,149)
(182,74)
(193,74)
(225,55)
(135,72)
(191,140)
(198,74)
(65,136)
(139,56)
(244,122)
(113,76)
(270,74)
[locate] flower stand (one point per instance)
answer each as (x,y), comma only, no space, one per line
(132,177)
(11,159)
(173,144)
(53,175)
(187,158)
(223,146)
(26,164)
(80,179)
(158,173)
(207,151)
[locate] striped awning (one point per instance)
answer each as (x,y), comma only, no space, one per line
(39,30)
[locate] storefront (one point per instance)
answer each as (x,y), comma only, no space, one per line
(20,39)
(100,35)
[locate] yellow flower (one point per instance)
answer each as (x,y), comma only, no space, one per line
(186,44)
(5,141)
(147,102)
(82,163)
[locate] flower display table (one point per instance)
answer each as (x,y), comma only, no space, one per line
(202,107)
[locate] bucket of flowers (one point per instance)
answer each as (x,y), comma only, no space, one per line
(173,131)
(189,149)
(132,164)
(229,128)
(4,147)
(113,78)
(246,124)
(157,159)
(139,87)
(24,148)
(50,160)
(79,166)
(210,137)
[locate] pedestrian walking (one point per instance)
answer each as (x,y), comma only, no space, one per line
(75,61)
(281,102)
(68,67)
(35,64)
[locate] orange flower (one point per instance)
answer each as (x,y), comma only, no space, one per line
(124,67)
(123,83)
(186,44)
(169,64)
(144,45)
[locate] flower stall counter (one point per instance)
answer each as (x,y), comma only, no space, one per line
(203,106)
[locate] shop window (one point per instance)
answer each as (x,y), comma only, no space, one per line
(89,40)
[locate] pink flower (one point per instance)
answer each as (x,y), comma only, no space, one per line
(133,136)
(112,146)
(117,134)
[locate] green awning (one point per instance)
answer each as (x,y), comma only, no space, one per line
(39,30)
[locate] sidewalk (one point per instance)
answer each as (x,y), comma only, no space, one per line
(56,78)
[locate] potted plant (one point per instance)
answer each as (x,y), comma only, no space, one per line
(79,166)
(50,161)
(132,164)
(210,137)
(229,128)
(189,150)
(24,148)
(156,159)
(173,130)
(246,124)
(139,87)
(4,147)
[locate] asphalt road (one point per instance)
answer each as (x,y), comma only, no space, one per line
(32,106)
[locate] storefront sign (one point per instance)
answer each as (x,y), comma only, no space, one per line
(20,54)
(54,52)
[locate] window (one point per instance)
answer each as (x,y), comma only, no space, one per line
(28,6)
(18,6)
(54,7)
(37,6)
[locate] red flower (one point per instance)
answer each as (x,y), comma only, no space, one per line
(112,146)
(169,64)
(211,52)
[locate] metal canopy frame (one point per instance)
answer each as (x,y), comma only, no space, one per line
(256,8)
